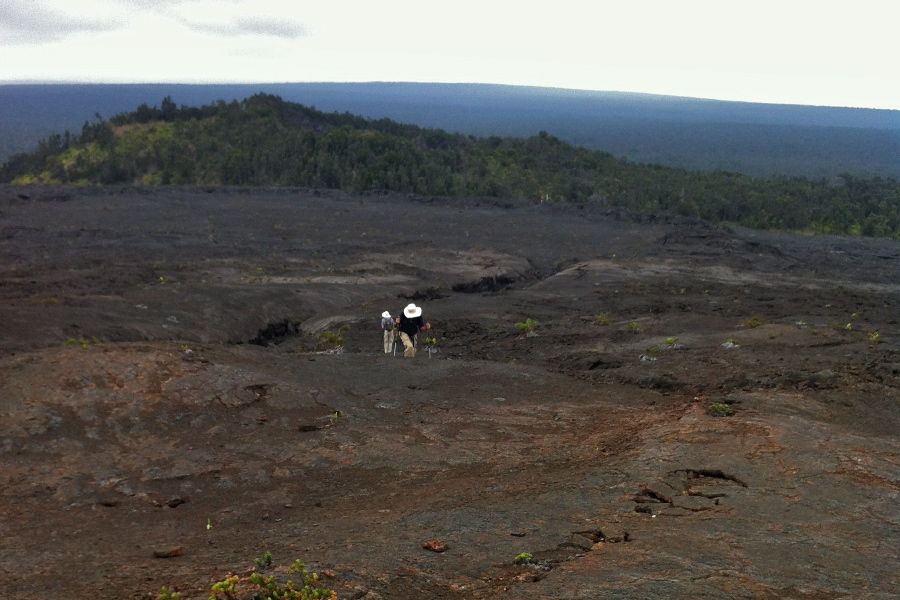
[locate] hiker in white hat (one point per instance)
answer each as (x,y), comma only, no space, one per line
(410,323)
(387,328)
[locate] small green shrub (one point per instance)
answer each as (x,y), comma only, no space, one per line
(603,319)
(224,588)
(258,587)
(634,326)
(874,338)
(719,409)
(753,322)
(651,350)
(83,342)
(334,339)
(522,558)
(670,341)
(165,594)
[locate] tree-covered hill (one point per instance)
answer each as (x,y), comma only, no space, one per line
(690,133)
(264,140)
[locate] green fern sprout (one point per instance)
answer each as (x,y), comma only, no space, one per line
(527,327)
(266,561)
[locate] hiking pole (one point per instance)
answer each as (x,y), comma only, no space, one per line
(429,347)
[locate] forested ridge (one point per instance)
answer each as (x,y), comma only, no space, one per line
(264,141)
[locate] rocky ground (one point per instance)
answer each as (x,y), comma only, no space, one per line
(700,412)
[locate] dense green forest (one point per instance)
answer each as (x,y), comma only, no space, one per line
(264,141)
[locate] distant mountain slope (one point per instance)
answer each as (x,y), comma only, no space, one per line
(704,135)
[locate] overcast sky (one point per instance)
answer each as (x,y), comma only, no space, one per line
(820,52)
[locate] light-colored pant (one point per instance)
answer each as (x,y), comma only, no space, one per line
(388,340)
(409,344)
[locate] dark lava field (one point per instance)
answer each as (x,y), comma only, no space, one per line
(191,378)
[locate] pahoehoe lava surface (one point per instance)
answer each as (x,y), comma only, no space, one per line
(169,410)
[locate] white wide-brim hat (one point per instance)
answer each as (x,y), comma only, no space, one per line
(385,315)
(412,311)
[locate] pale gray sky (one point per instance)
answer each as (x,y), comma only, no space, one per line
(818,52)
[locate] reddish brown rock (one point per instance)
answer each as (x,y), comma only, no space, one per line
(168,552)
(435,545)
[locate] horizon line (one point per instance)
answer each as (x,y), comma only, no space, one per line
(438,83)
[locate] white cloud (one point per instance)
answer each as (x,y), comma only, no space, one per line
(268,27)
(30,22)
(799,51)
